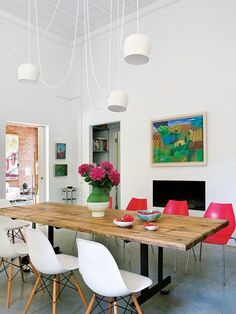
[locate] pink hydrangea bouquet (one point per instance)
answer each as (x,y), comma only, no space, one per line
(102,176)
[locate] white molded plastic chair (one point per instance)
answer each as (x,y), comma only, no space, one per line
(13,226)
(8,253)
(47,262)
(102,275)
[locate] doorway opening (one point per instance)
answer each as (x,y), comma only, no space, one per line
(105,141)
(26,177)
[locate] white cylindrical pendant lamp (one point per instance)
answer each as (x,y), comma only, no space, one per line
(137,49)
(28,72)
(117,101)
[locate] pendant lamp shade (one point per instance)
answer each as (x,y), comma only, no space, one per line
(137,49)
(28,72)
(117,101)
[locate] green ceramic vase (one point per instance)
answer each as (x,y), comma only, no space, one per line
(98,202)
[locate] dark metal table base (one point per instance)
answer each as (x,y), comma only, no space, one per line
(144,265)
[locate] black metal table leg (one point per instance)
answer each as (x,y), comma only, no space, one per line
(51,239)
(144,265)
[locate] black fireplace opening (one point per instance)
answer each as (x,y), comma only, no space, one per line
(194,192)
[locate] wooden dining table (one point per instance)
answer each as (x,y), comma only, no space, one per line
(174,232)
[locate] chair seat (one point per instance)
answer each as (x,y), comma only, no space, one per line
(68,262)
(20,248)
(135,282)
(15,224)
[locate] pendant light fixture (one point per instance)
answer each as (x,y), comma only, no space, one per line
(117,100)
(28,71)
(137,46)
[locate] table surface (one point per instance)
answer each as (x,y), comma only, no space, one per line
(178,232)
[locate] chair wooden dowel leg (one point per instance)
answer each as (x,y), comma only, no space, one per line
(110,305)
(115,308)
(80,291)
(91,303)
(32,293)
(54,295)
(58,286)
(137,306)
(9,284)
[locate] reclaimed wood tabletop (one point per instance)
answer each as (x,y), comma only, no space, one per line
(177,232)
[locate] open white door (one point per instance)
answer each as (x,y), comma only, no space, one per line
(43,164)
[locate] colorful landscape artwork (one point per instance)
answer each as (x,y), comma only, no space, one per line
(179,140)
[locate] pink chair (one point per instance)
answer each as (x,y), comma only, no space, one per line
(174,207)
(137,204)
(220,211)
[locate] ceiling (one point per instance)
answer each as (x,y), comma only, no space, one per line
(63,23)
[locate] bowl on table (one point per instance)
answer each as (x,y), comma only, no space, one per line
(148,215)
(124,221)
(150,226)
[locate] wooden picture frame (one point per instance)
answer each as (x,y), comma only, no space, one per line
(179,140)
(60,151)
(61,170)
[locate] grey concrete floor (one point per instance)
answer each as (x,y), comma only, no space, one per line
(200,291)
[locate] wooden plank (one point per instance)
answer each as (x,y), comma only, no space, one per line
(179,232)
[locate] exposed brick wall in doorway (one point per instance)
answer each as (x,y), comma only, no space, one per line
(28,152)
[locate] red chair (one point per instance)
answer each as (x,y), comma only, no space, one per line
(134,205)
(137,204)
(220,211)
(174,207)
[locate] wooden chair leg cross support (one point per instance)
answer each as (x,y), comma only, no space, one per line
(57,282)
(7,267)
(114,304)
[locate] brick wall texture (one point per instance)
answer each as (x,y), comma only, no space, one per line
(28,152)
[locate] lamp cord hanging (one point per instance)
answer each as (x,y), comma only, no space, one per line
(87,41)
(29,56)
(73,48)
(137,3)
(51,19)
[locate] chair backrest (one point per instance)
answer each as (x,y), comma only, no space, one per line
(221,211)
(137,204)
(4,203)
(6,248)
(42,253)
(99,269)
(174,207)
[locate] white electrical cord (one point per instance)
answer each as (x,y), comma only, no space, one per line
(51,19)
(137,16)
(90,47)
(29,57)
(72,54)
(87,38)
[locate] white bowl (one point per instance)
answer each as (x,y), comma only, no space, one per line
(151,228)
(123,223)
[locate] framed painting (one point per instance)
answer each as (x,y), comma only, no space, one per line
(60,170)
(60,151)
(179,140)
(12,156)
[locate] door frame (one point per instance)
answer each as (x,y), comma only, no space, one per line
(43,157)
